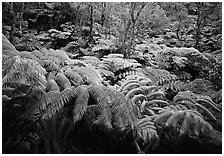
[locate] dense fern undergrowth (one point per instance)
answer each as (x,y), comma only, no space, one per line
(55,104)
(80,100)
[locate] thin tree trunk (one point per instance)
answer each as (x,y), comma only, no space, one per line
(12,24)
(91,19)
(102,14)
(197,37)
(21,16)
(123,46)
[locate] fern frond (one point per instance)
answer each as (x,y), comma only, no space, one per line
(52,86)
(189,104)
(101,99)
(92,60)
(146,130)
(38,54)
(159,95)
(133,92)
(28,55)
(81,102)
(160,103)
(138,98)
(187,95)
(74,77)
(208,102)
(44,51)
(106,73)
(56,60)
(130,86)
(7,48)
(158,76)
(62,55)
(149,89)
(50,65)
(62,81)
(182,75)
(48,104)
(24,71)
(127,82)
(89,75)
(206,111)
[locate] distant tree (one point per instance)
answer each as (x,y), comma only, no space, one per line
(207,14)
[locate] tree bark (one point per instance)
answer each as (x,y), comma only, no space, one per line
(13,23)
(91,19)
(103,13)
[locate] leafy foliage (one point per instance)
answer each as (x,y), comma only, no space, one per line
(126,78)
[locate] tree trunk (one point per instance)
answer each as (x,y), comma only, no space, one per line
(102,14)
(12,24)
(21,16)
(198,26)
(91,19)
(123,46)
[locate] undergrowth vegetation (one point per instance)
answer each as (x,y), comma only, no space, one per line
(89,94)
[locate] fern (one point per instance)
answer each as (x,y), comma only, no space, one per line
(199,86)
(147,131)
(100,98)
(73,77)
(48,104)
(50,65)
(189,122)
(24,71)
(175,86)
(91,60)
(52,86)
(182,75)
(157,76)
(81,102)
(44,51)
(56,60)
(37,54)
(28,55)
(89,75)
(7,48)
(62,81)
(62,55)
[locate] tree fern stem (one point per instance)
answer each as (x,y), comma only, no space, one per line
(137,147)
(21,139)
